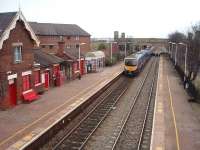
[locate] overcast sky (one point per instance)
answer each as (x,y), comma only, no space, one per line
(137,18)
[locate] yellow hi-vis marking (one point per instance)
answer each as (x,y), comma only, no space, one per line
(174,117)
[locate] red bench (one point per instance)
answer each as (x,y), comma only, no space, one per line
(30,95)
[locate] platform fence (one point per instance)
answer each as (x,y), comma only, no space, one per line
(178,60)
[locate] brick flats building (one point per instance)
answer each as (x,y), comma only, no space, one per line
(64,41)
(51,68)
(50,34)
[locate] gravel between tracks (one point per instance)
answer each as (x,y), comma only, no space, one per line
(105,135)
(52,142)
(132,131)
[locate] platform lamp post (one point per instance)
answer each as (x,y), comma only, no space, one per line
(125,51)
(111,51)
(175,57)
(79,56)
(186,51)
(176,53)
(170,49)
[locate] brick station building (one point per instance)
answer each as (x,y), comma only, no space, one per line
(28,65)
(64,40)
(51,68)
(18,72)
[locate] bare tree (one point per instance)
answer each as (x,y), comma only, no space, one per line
(194,54)
(193,42)
(177,37)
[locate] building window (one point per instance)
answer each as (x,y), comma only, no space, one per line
(26,82)
(71,45)
(17,54)
(77,38)
(68,37)
(50,46)
(67,46)
(43,46)
(77,46)
(37,79)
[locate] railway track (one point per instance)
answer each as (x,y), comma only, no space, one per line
(145,136)
(79,135)
(135,131)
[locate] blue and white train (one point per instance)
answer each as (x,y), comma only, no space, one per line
(134,63)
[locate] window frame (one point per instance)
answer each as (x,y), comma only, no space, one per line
(43,46)
(77,38)
(76,45)
(17,52)
(51,46)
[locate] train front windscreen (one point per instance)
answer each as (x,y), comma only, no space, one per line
(130,62)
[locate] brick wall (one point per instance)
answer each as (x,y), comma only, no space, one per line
(69,41)
(18,34)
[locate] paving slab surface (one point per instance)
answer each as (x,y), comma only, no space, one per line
(20,124)
(176,122)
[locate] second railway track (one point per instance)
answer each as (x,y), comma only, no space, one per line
(108,134)
(132,133)
(81,133)
(78,136)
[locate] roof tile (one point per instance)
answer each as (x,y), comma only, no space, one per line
(5,19)
(46,59)
(58,29)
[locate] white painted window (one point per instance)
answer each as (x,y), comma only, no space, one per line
(77,38)
(18,54)
(68,46)
(77,45)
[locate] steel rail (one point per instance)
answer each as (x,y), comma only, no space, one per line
(87,116)
(146,112)
(103,118)
(132,107)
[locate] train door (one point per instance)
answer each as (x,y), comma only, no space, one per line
(12,89)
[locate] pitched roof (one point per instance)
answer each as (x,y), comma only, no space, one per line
(8,22)
(46,59)
(5,20)
(73,53)
(97,54)
(58,29)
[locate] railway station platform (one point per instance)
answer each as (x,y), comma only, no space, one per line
(24,123)
(176,124)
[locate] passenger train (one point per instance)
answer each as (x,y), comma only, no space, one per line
(134,63)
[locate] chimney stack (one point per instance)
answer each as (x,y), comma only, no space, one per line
(61,47)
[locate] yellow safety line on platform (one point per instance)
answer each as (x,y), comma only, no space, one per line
(34,122)
(174,117)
